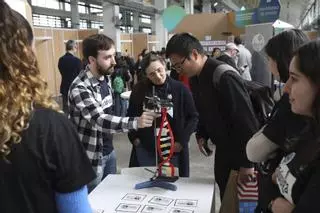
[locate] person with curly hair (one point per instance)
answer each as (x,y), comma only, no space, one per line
(43,165)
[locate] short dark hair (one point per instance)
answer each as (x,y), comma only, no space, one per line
(281,48)
(94,43)
(182,44)
(149,58)
(237,40)
(70,45)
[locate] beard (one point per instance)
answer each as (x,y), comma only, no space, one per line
(105,71)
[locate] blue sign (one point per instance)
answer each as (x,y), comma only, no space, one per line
(268,11)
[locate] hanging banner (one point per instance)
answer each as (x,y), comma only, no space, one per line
(268,11)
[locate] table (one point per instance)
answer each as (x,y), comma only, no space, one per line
(116,193)
(146,171)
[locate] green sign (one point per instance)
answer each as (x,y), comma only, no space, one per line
(246,17)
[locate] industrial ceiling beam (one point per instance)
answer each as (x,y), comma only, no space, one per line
(135,6)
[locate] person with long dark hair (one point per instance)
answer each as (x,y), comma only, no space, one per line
(282,123)
(43,166)
(298,174)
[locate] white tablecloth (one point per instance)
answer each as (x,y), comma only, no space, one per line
(115,191)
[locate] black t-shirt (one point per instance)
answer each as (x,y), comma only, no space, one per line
(298,179)
(49,159)
(284,125)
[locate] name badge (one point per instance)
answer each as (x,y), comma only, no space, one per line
(285,179)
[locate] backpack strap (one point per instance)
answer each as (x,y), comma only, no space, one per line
(220,70)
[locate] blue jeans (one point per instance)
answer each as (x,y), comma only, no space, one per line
(121,105)
(109,166)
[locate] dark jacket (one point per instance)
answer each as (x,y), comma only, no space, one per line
(226,115)
(183,124)
(228,60)
(69,67)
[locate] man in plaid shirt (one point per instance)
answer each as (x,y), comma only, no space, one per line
(90,106)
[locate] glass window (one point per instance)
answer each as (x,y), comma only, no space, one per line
(46,21)
(53,4)
(68,21)
(145,19)
(95,8)
(96,24)
(82,7)
(83,24)
(67,6)
(146,30)
(126,29)
(39,3)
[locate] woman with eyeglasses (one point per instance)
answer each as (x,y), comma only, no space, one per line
(182,117)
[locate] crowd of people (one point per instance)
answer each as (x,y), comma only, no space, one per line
(49,162)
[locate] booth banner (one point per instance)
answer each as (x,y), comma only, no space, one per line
(208,46)
(246,17)
(256,38)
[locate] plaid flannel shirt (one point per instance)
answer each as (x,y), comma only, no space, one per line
(87,111)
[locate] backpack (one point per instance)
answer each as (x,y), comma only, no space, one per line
(260,95)
(118,84)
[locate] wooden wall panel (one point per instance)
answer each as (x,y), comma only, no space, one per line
(50,61)
(59,50)
(70,34)
(126,36)
(140,41)
(45,61)
(127,43)
(82,34)
(152,38)
(39,32)
(211,24)
(50,46)
(80,55)
(216,24)
(127,46)
(236,31)
(313,35)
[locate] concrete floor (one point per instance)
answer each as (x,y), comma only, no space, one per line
(200,165)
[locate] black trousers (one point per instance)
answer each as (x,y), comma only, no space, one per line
(224,163)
